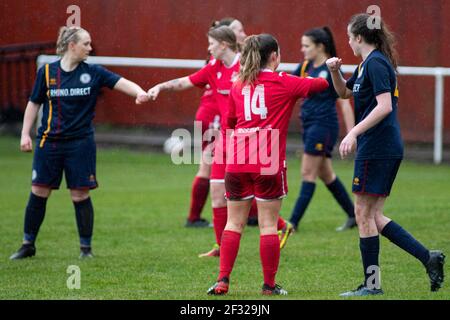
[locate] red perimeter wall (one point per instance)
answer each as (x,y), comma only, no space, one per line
(176,29)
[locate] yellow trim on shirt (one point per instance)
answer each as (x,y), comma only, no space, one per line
(50,106)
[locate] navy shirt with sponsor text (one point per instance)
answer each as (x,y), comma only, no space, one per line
(372,78)
(73,98)
(320,108)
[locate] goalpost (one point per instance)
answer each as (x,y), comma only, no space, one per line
(438,72)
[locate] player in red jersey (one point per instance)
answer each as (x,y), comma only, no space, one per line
(260,106)
(209,116)
(224,75)
(218,74)
(285,229)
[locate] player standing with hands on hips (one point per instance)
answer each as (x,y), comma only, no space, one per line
(68,90)
(379,150)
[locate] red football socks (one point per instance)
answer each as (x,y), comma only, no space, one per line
(219,221)
(269,249)
(228,252)
(199,195)
(281,223)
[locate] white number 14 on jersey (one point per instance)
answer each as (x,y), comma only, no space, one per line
(255,104)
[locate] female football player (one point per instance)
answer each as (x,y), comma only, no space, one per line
(68,90)
(321,127)
(218,74)
(379,150)
(260,106)
(209,116)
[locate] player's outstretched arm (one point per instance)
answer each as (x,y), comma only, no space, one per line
(339,83)
(175,85)
(26,144)
(132,89)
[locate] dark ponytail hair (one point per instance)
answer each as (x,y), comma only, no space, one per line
(255,56)
(222,22)
(323,36)
(382,37)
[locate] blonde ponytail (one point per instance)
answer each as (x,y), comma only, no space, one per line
(255,56)
(65,36)
(250,60)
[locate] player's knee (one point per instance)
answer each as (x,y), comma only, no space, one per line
(236,226)
(267,229)
(359,209)
(361,213)
(381,220)
(327,177)
(42,192)
(309,174)
(79,195)
(218,199)
(218,202)
(218,195)
(267,226)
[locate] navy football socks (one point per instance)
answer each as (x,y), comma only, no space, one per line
(34,216)
(85,221)
(400,237)
(370,250)
(306,194)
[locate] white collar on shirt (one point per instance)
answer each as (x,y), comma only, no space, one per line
(236,60)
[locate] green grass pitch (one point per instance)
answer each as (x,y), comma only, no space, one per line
(143,251)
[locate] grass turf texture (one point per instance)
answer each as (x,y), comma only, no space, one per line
(143,251)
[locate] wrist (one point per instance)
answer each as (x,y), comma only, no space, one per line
(354,132)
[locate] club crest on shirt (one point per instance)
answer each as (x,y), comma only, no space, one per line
(323,74)
(219,75)
(85,78)
(52,81)
(356,181)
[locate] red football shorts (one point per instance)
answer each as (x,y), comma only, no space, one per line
(247,185)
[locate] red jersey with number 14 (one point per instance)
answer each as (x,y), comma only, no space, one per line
(261,114)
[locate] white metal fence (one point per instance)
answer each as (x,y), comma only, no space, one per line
(438,73)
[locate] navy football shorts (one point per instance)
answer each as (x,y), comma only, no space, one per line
(319,140)
(76,158)
(375,177)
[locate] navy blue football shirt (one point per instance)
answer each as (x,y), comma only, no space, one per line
(69,99)
(320,108)
(374,77)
